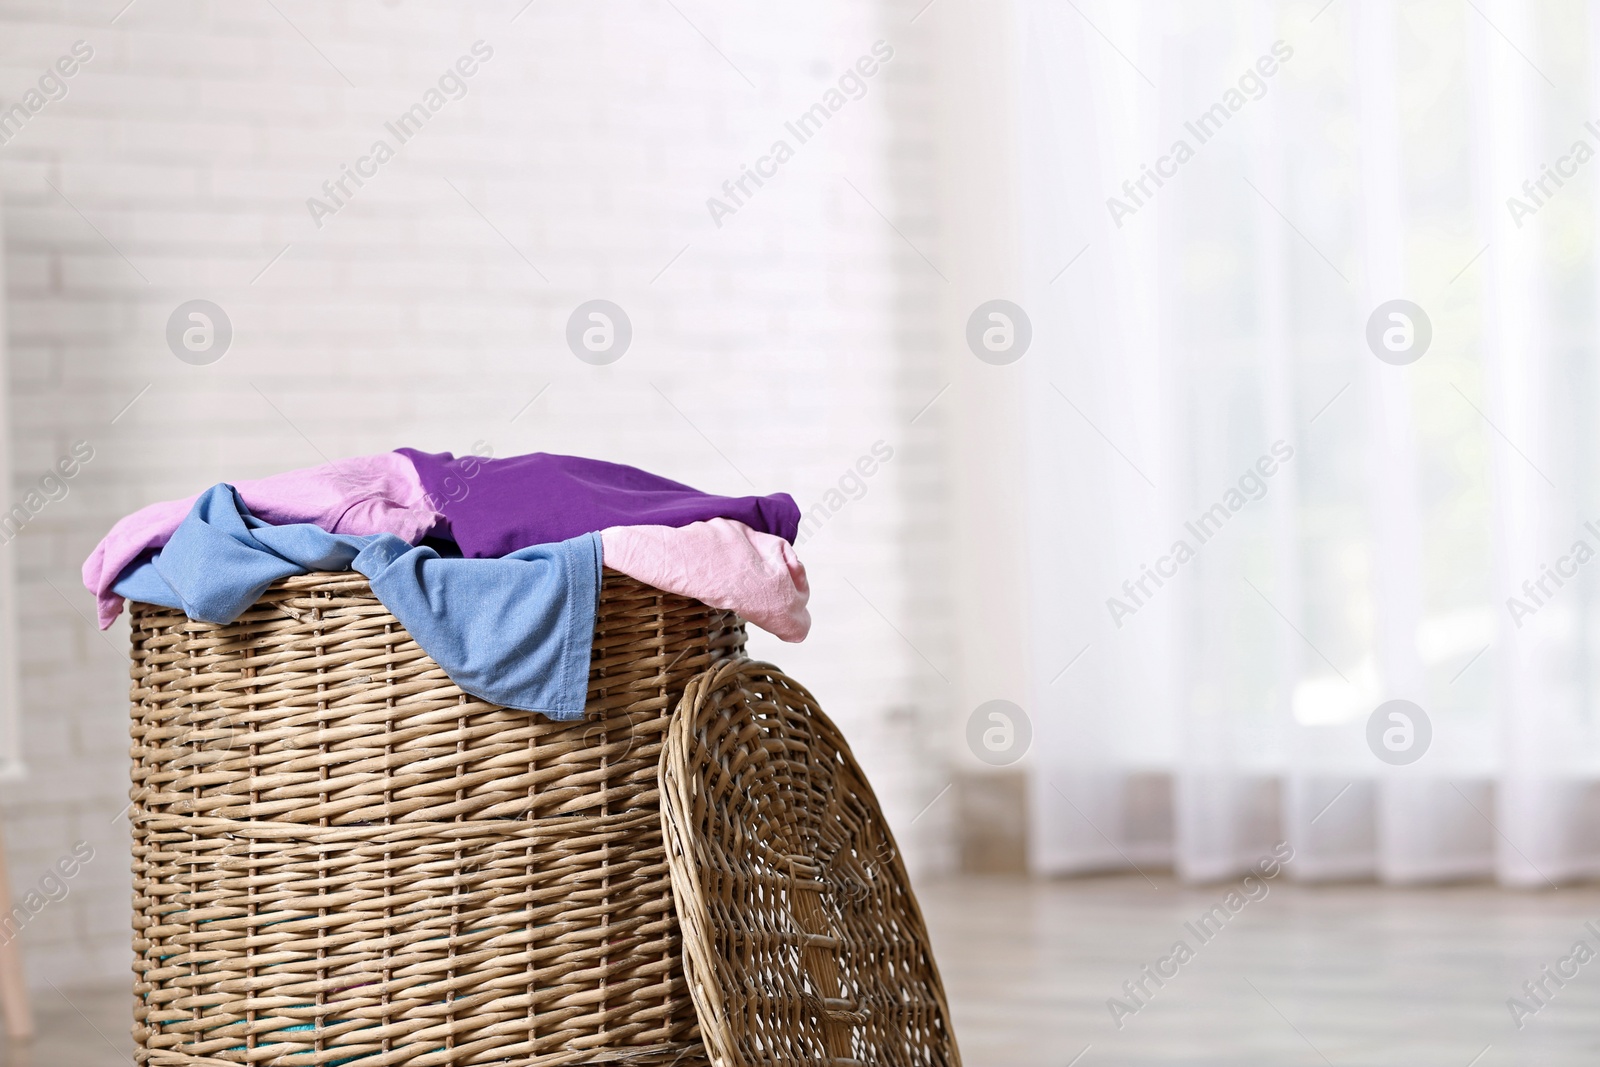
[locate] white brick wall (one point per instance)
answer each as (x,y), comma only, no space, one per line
(793,337)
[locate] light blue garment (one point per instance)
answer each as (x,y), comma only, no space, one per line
(514,631)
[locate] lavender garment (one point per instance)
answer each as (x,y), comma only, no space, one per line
(497,506)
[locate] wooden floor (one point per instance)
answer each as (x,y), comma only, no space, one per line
(1349,976)
(79,1026)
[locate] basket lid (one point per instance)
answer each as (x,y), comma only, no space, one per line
(802,940)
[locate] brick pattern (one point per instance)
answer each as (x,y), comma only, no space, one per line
(429,310)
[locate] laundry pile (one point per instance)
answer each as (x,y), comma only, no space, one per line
(492,565)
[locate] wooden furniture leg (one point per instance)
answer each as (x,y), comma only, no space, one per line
(14,1005)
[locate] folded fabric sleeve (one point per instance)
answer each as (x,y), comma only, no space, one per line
(720,562)
(514,631)
(496,506)
(361,495)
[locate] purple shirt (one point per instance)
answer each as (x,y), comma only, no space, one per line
(496,506)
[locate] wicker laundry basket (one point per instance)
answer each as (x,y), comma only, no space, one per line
(340,858)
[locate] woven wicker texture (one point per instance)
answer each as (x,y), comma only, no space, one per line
(803,943)
(339,857)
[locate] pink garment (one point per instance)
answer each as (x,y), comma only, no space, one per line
(362,495)
(722,562)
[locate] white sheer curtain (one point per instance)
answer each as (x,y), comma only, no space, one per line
(1215,323)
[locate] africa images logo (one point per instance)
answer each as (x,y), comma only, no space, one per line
(1204,127)
(451,85)
(1252,485)
(851,85)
